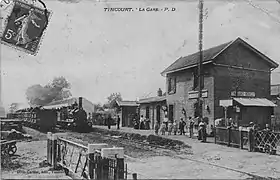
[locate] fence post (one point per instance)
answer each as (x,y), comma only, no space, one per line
(134,176)
(250,140)
(54,151)
(120,168)
(229,133)
(58,151)
(49,148)
(105,168)
(241,138)
(99,172)
(253,140)
(90,161)
(114,153)
(91,164)
(215,139)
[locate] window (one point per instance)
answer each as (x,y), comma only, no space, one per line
(147,112)
(195,79)
(171,85)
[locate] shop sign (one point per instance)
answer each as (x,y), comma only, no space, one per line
(243,94)
(194,94)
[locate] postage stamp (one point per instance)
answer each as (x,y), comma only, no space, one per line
(25,27)
(5,3)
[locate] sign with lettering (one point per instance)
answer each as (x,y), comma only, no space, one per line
(112,152)
(243,94)
(194,94)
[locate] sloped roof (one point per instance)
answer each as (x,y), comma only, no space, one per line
(275,90)
(127,103)
(87,105)
(208,56)
(152,99)
(259,102)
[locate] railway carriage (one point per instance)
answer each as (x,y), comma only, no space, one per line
(69,115)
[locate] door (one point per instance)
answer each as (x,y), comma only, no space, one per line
(171,113)
(158,113)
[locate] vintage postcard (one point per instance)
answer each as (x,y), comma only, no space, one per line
(146,89)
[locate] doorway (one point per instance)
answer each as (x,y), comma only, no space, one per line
(158,113)
(171,113)
(197,109)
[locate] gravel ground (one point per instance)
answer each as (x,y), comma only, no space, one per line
(25,163)
(202,162)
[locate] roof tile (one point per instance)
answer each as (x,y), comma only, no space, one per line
(192,59)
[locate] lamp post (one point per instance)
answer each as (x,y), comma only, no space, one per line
(200,74)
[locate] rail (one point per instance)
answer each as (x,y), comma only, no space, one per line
(95,161)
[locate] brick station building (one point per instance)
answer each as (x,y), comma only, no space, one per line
(233,69)
(275,95)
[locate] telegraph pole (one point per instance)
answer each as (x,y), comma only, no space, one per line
(200,71)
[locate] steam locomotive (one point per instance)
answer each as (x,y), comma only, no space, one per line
(47,118)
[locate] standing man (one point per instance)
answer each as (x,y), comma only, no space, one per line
(118,122)
(182,126)
(109,121)
(165,121)
(191,126)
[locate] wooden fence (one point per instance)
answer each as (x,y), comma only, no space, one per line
(80,162)
(263,141)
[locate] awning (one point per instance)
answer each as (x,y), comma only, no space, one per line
(255,102)
(259,102)
(56,106)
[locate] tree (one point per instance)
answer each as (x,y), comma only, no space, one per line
(112,100)
(98,107)
(13,107)
(58,89)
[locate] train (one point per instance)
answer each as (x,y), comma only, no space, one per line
(47,118)
(37,118)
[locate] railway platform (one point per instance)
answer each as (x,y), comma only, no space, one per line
(184,138)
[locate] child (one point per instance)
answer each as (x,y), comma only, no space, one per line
(162,128)
(170,127)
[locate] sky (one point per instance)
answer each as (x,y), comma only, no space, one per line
(104,52)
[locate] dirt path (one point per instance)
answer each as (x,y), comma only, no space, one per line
(153,163)
(232,158)
(25,163)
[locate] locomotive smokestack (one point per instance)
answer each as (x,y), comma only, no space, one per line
(80,102)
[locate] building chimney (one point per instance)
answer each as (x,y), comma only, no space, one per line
(159,92)
(80,102)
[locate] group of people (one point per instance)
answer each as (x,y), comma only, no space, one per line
(143,123)
(175,127)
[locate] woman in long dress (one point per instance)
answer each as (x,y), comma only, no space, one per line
(22,38)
